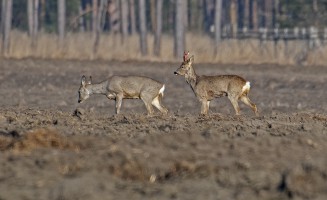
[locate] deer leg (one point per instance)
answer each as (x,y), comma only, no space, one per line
(160,102)
(119,100)
(208,104)
(234,102)
(165,110)
(247,101)
(157,103)
(110,96)
(204,106)
(148,105)
(149,108)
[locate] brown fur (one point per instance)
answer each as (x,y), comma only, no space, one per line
(126,87)
(206,88)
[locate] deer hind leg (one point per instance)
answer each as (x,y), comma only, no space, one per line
(204,106)
(149,108)
(147,101)
(245,99)
(157,103)
(234,102)
(165,110)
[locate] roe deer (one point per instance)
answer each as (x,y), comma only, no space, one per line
(206,88)
(126,87)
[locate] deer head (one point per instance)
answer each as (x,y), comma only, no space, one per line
(185,68)
(84,90)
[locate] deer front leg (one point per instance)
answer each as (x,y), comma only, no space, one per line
(204,106)
(119,100)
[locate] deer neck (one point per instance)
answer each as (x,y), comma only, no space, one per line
(191,77)
(100,88)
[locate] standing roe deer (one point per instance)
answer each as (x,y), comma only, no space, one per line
(126,87)
(206,88)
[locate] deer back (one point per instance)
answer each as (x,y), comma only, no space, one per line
(210,87)
(133,86)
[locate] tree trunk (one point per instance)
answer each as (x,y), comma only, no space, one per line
(200,15)
(42,14)
(30,17)
(192,15)
(315,12)
(158,29)
(94,15)
(6,26)
(255,15)
(114,16)
(36,17)
(171,17)
(143,30)
(61,21)
(269,13)
(261,13)
(84,7)
(81,20)
(276,13)
(124,19)
(153,15)
(98,27)
(35,22)
(233,17)
(246,22)
(209,6)
(179,42)
(132,16)
(186,20)
(218,10)
(3,15)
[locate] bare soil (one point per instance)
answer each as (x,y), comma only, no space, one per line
(51,147)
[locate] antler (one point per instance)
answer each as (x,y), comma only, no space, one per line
(186,54)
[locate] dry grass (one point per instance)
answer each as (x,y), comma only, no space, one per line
(80,46)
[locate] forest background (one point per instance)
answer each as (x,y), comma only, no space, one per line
(215,31)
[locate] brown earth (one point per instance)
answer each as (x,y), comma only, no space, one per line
(51,147)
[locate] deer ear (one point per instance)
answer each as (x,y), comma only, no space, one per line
(90,81)
(83,81)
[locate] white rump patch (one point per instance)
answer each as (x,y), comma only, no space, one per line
(246,86)
(161,91)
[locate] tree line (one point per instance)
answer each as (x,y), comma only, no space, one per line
(157,17)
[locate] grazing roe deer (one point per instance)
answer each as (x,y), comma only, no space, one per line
(206,88)
(126,87)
